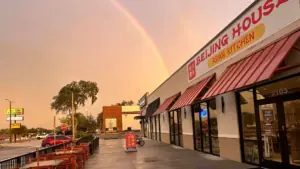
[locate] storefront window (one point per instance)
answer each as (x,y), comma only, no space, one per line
(159,128)
(180,128)
(197,131)
(176,128)
(292,117)
(214,127)
(155,127)
(205,128)
(171,127)
(251,154)
(151,128)
(280,88)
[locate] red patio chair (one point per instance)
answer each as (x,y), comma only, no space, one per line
(83,152)
(68,158)
(65,165)
(87,146)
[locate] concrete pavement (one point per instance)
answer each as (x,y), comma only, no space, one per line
(155,155)
(16,149)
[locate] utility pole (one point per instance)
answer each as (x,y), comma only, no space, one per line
(73,117)
(10,133)
(15,135)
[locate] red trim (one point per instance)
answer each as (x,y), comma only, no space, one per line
(167,104)
(191,93)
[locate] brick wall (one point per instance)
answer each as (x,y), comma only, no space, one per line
(113,112)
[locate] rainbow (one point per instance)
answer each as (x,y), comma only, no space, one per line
(143,33)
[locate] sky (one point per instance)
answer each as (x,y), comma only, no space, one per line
(128,47)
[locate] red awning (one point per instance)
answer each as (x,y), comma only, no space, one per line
(191,93)
(166,105)
(257,67)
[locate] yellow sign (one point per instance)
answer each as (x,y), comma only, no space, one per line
(246,40)
(15,111)
(16,125)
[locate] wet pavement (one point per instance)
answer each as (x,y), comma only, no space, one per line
(15,149)
(155,155)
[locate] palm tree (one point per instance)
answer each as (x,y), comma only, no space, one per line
(82,90)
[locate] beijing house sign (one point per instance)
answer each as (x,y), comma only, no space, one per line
(264,19)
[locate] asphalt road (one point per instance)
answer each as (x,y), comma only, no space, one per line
(16,149)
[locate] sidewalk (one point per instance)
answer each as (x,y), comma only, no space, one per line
(155,155)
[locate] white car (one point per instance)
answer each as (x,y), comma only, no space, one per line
(41,136)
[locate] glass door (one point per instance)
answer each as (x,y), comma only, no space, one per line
(279,121)
(151,128)
(176,129)
(159,128)
(179,117)
(155,128)
(171,120)
(271,134)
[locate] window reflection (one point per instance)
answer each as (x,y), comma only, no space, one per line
(249,127)
(292,121)
(280,88)
(205,129)
(214,127)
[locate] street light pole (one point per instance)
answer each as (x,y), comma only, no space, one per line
(10,139)
(73,117)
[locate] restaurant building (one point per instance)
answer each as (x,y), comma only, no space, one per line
(238,97)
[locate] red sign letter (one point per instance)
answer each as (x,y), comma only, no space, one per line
(192,70)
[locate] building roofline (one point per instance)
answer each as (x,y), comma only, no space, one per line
(207,44)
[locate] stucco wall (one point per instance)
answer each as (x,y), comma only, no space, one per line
(187,123)
(164,122)
(129,121)
(227,120)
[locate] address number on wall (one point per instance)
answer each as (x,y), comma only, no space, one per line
(279,92)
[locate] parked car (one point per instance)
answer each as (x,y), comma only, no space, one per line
(49,141)
(41,136)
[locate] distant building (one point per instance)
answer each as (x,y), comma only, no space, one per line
(120,118)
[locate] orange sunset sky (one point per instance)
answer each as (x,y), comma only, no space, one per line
(128,47)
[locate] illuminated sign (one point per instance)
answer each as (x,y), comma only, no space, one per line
(265,18)
(16,125)
(18,118)
(203,113)
(143,100)
(15,111)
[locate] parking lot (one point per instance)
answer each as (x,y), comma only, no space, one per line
(11,150)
